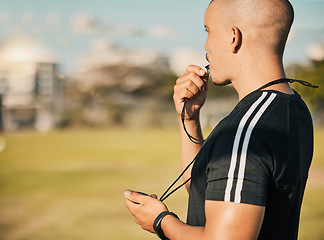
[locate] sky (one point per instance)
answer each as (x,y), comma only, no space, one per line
(69,29)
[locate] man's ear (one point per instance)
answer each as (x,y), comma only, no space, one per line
(236,39)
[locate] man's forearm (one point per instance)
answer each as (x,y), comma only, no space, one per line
(175,229)
(188,149)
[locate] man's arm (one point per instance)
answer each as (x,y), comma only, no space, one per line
(193,87)
(224,220)
(188,149)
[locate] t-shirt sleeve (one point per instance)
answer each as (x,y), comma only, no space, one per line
(239,173)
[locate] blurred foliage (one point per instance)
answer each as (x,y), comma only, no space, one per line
(220,91)
(315,75)
(116,93)
(127,95)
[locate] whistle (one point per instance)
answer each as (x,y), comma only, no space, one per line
(206,76)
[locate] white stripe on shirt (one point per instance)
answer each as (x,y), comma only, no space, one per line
(237,138)
(246,141)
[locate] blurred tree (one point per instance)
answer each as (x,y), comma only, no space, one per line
(220,91)
(315,75)
(120,94)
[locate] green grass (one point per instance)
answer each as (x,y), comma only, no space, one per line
(69,184)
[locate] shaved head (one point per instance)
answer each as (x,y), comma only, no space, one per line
(264,24)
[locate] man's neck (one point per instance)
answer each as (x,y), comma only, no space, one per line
(258,73)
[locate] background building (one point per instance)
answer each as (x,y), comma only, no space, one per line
(31,91)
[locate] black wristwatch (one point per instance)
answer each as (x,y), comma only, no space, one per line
(157,224)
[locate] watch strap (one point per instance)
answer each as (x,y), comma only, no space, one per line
(157,224)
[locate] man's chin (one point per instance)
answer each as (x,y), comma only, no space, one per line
(221,83)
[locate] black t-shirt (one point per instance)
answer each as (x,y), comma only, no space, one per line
(259,154)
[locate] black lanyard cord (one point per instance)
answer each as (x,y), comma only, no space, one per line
(305,83)
(192,139)
(198,141)
(281,80)
(166,194)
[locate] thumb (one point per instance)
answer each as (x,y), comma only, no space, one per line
(133,196)
(127,192)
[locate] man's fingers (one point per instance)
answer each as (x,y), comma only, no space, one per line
(196,69)
(187,90)
(133,196)
(136,197)
(154,196)
(192,82)
(181,94)
(191,76)
(127,193)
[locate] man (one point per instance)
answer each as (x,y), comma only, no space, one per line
(249,176)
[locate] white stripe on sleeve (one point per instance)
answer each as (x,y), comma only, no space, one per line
(246,141)
(236,143)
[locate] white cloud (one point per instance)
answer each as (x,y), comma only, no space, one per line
(162,32)
(103,52)
(52,19)
(315,51)
(21,50)
(99,46)
(27,18)
(83,24)
(4,17)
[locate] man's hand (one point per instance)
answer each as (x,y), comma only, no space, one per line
(144,208)
(193,87)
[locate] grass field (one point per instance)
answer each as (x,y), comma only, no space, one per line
(69,185)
